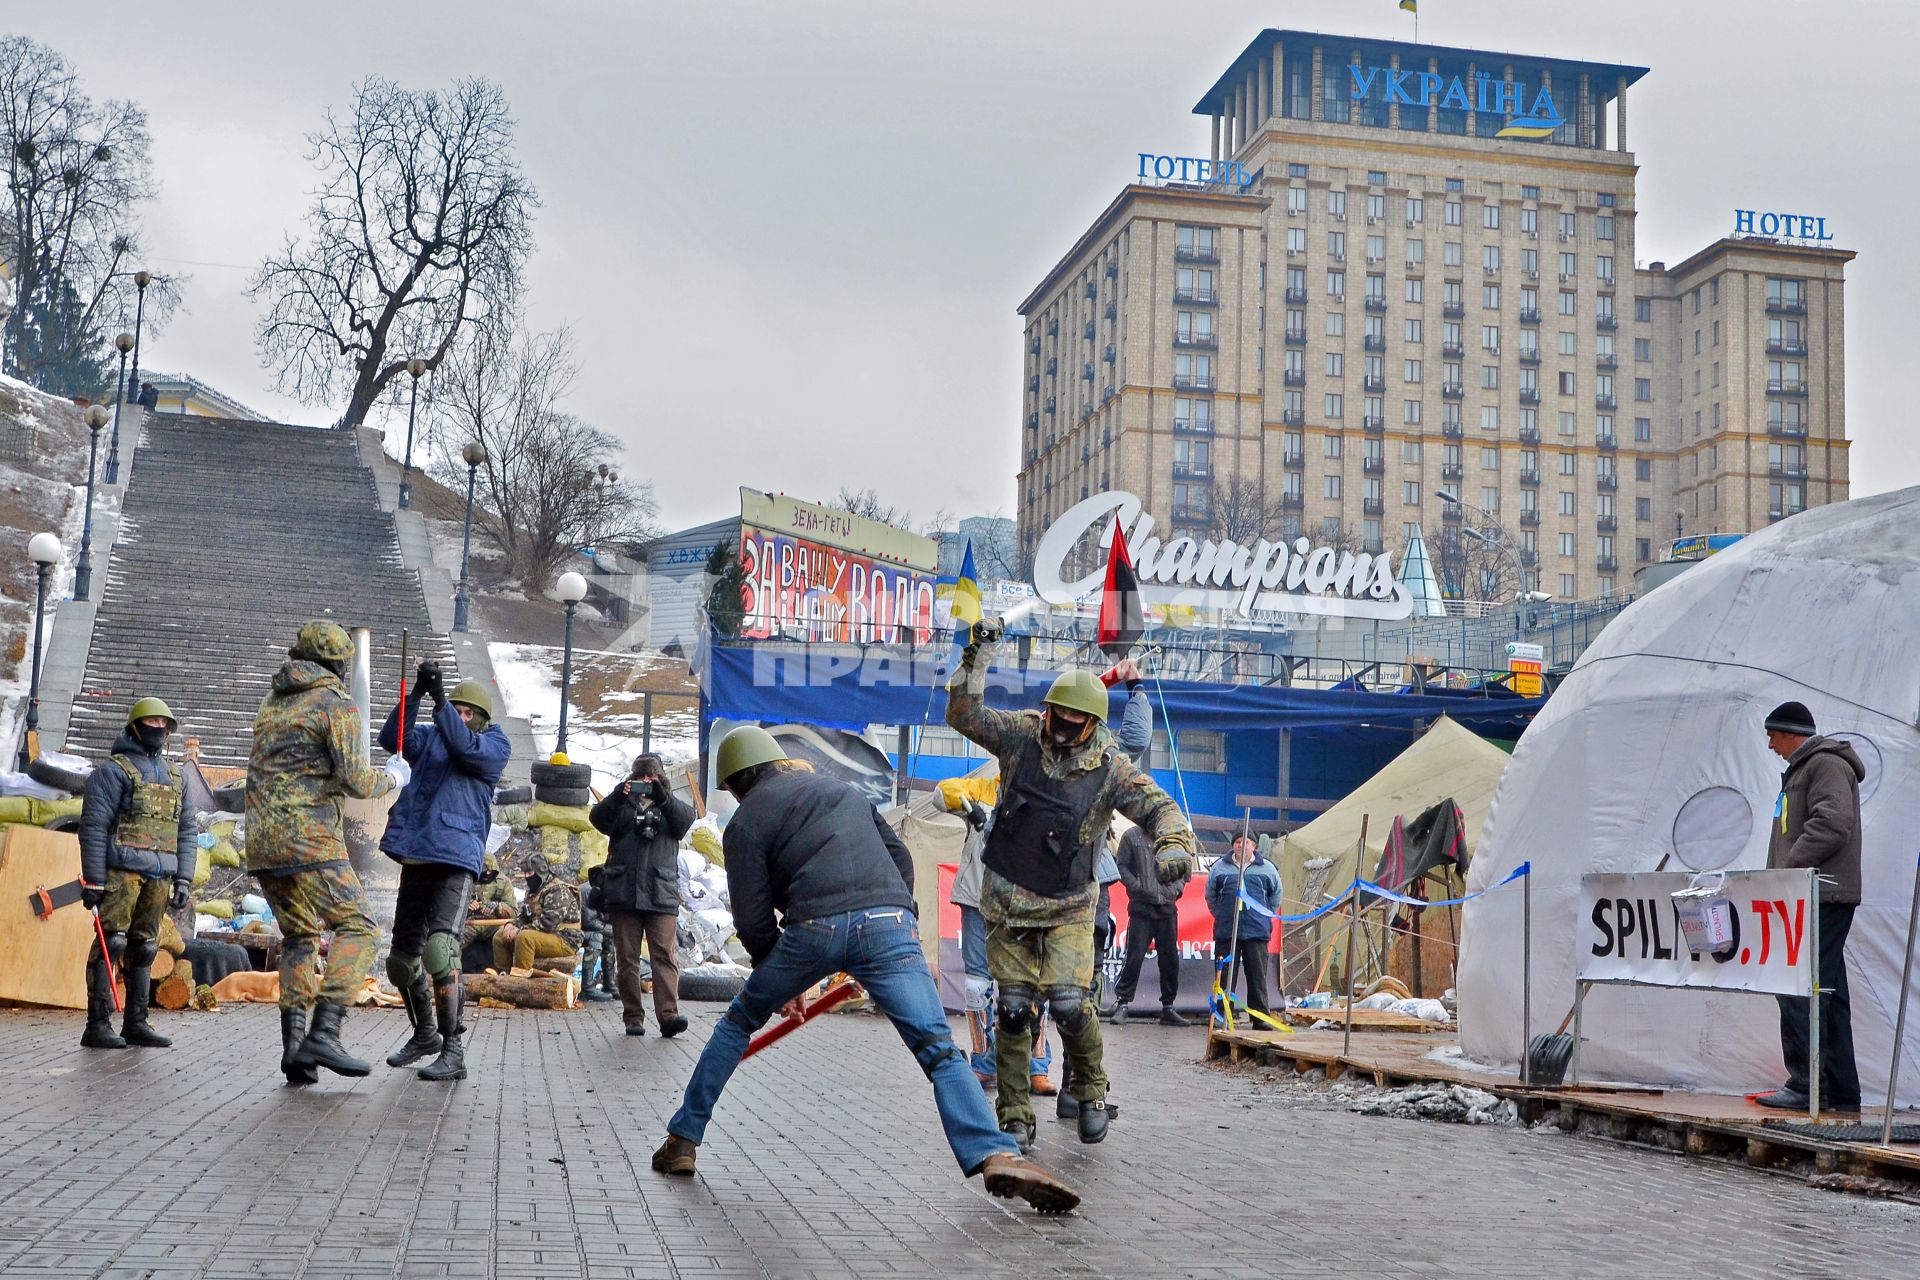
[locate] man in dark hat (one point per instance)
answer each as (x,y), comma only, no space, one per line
(1816,823)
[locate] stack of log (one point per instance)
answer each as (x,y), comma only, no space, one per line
(536,988)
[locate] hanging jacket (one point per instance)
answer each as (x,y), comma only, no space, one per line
(642,873)
(444,813)
(160,843)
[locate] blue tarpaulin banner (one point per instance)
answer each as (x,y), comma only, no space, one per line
(850,690)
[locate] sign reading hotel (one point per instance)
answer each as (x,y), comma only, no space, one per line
(1791,226)
(1284,577)
(1629,931)
(1537,117)
(819,574)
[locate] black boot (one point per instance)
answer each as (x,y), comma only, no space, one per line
(99,1033)
(293,1029)
(133,1028)
(322,1046)
(425,1040)
(1093,1121)
(452,1062)
(1066,1106)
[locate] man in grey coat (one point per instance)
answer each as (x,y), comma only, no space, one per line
(1816,823)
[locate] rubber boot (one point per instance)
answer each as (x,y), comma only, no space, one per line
(452,1062)
(99,1033)
(322,1046)
(425,1041)
(1066,1106)
(293,1029)
(133,1028)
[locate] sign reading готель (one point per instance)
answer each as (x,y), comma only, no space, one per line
(1629,931)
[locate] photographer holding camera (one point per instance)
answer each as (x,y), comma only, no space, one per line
(640,888)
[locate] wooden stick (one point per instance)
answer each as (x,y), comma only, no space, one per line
(1353,923)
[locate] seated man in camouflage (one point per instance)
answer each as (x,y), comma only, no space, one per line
(548,926)
(493,899)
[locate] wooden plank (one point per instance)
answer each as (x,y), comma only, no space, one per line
(41,962)
(1366,1020)
(1277,803)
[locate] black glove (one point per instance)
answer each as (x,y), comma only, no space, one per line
(976,815)
(660,792)
(92,895)
(431,683)
(592,899)
(988,631)
(182,895)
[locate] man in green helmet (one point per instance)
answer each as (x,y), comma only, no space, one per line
(138,849)
(308,757)
(1061,782)
(437,832)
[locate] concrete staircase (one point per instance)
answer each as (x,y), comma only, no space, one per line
(232,534)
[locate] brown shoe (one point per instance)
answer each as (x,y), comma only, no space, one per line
(1041,1087)
(675,1157)
(1008,1176)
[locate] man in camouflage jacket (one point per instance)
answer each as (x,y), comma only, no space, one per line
(1062,781)
(493,899)
(549,924)
(309,756)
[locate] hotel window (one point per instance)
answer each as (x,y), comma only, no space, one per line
(1294,442)
(1376,177)
(1530,221)
(1336,324)
(1489,417)
(1410,371)
(1296,240)
(1371,490)
(1335,405)
(1643,548)
(1450,413)
(1377,329)
(1490,256)
(1489,458)
(1643,468)
(1298,102)
(1603,346)
(1490,377)
(1335,361)
(1337,203)
(1529,381)
(1337,244)
(1376,408)
(1489,337)
(1604,265)
(1490,216)
(1376,205)
(1569,424)
(1569,263)
(1376,248)
(1567,346)
(1411,412)
(1411,329)
(1529,193)
(1377,288)
(1415,289)
(1696,342)
(1568,226)
(1336,284)
(1296,171)
(1530,299)
(1715,284)
(1568,462)
(1605,546)
(1603,227)
(1642,310)
(1416,252)
(1604,199)
(1566,586)
(1602,384)
(1716,373)
(1603,427)
(1452,210)
(1330,446)
(1643,348)
(1530,263)
(1643,390)
(1782,375)
(1696,300)
(1296,201)
(1490,499)
(1566,544)
(1335,102)
(1643,508)
(1453,184)
(1330,486)
(1568,303)
(1416,210)
(1194,239)
(1410,451)
(1410,492)
(1566,503)
(1297,282)
(1716,333)
(1490,297)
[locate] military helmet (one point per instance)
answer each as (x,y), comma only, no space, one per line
(321,641)
(473,694)
(743,748)
(147,707)
(1079,691)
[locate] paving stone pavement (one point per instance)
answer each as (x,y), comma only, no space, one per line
(825,1159)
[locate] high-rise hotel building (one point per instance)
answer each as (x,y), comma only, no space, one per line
(1411,269)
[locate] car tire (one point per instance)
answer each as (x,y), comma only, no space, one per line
(67,822)
(231,798)
(561,775)
(565,797)
(710,987)
(513,795)
(52,775)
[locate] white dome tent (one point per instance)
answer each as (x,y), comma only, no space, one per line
(1652,747)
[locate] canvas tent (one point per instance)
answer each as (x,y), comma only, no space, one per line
(1446,762)
(1653,748)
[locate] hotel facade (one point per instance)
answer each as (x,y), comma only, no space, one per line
(1401,293)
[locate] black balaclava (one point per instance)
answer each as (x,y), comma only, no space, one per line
(150,737)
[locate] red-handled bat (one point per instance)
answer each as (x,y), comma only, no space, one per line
(106,958)
(403,693)
(835,996)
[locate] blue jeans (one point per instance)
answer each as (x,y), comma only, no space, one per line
(880,948)
(973,955)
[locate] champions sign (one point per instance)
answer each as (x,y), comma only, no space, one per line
(1282,577)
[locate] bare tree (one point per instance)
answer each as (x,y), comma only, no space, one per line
(77,173)
(866,502)
(547,486)
(417,237)
(1245,511)
(1476,564)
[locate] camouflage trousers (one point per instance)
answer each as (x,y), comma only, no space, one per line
(133,906)
(1053,965)
(308,903)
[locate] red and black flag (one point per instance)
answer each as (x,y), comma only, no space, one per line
(1122,621)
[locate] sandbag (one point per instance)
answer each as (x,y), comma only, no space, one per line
(541,814)
(219,909)
(705,838)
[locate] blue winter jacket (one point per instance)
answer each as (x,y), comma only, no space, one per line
(444,813)
(1263,886)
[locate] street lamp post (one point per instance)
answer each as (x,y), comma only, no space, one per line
(415,368)
(44,550)
(475,456)
(83,566)
(571,589)
(1491,534)
(125,344)
(141,279)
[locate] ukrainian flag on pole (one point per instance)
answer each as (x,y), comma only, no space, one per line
(963,595)
(1411,6)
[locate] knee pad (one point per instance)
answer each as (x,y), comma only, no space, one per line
(1070,1010)
(116,948)
(979,992)
(403,970)
(141,954)
(442,955)
(1016,1009)
(931,1053)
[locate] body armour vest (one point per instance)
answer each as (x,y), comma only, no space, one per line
(152,817)
(1036,827)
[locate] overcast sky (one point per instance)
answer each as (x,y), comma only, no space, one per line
(791,236)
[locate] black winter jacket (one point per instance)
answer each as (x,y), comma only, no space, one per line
(641,874)
(808,846)
(108,793)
